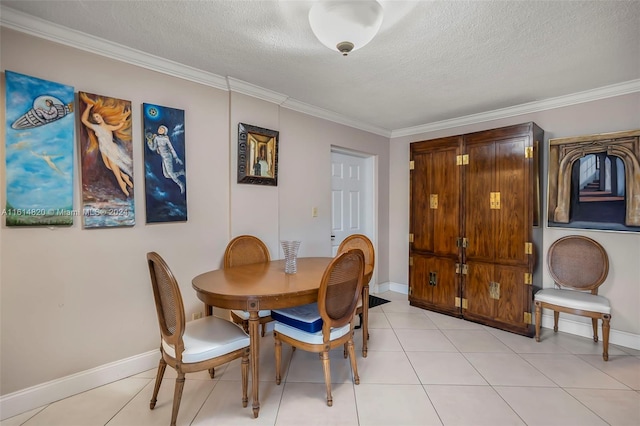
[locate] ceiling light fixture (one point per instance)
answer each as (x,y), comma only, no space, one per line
(345,26)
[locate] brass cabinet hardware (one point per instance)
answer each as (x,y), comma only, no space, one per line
(410,238)
(494,290)
(494,200)
(527,318)
(412,165)
(528,248)
(528,279)
(462,160)
(528,151)
(433,201)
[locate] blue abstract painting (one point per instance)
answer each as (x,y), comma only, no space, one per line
(39,126)
(164,163)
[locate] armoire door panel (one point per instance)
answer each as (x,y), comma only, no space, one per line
(445,201)
(477,289)
(509,308)
(478,212)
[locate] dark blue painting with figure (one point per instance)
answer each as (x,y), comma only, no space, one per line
(164,163)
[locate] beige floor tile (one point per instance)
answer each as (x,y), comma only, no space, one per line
(445,322)
(444,368)
(505,369)
(571,371)
(424,341)
(548,407)
(616,407)
(482,406)
(579,345)
(306,404)
(404,405)
(381,339)
(387,368)
(399,320)
(195,392)
(21,418)
(526,345)
(94,407)
(475,341)
(378,319)
(224,407)
(625,369)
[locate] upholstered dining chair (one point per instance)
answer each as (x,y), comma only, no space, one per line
(197,345)
(327,324)
(244,250)
(578,266)
(363,243)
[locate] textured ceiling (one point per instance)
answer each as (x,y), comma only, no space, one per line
(431,61)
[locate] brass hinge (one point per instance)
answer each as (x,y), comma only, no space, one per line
(462,242)
(527,318)
(494,290)
(460,302)
(433,201)
(528,248)
(412,165)
(528,152)
(411,261)
(528,279)
(494,200)
(457,268)
(465,269)
(462,160)
(411,237)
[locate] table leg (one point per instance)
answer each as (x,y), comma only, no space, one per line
(254,343)
(365,319)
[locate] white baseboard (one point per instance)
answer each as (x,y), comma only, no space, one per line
(45,393)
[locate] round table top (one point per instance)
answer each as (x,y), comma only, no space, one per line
(240,287)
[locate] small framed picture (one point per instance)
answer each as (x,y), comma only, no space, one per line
(257,155)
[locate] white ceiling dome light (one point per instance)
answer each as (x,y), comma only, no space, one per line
(345,26)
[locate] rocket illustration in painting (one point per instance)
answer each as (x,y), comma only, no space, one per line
(46,109)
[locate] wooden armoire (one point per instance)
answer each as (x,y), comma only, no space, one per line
(474,225)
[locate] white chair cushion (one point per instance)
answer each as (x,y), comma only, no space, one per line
(312,338)
(574,299)
(207,338)
(245,315)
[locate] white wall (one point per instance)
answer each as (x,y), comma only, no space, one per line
(75,299)
(622,286)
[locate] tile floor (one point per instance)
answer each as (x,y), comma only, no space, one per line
(422,368)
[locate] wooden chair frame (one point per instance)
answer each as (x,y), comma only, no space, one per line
(234,255)
(578,249)
(328,323)
(363,243)
(174,338)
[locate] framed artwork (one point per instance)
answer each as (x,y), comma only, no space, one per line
(594,182)
(106,161)
(39,138)
(257,155)
(164,164)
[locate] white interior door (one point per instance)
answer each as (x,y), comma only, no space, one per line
(352,197)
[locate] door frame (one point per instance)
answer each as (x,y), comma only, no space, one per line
(371,203)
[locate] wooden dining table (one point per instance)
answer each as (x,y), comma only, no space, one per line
(260,286)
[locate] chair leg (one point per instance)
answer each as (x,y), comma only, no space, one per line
(354,364)
(264,327)
(159,375)
(594,322)
(556,315)
(327,375)
(245,378)
(212,372)
(278,355)
(538,319)
(177,396)
(605,336)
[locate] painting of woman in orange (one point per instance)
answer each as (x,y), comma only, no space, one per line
(108,126)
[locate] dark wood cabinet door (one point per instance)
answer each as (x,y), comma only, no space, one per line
(435,224)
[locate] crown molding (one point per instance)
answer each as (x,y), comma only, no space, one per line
(528,108)
(37,27)
(332,116)
(254,91)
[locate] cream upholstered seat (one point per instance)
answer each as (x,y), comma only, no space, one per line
(193,346)
(320,327)
(363,243)
(578,266)
(245,250)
